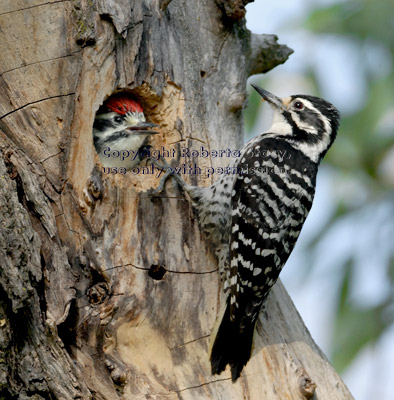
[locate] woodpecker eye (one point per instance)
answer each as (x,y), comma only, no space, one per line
(298,105)
(118,120)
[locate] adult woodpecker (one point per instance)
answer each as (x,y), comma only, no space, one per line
(253,217)
(120,127)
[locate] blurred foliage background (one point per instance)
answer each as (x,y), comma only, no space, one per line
(358,233)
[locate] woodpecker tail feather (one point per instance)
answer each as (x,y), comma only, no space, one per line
(231,345)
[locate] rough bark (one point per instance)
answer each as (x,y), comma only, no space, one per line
(107,291)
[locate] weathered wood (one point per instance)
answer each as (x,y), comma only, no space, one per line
(109,291)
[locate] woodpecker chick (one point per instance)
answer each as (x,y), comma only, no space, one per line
(120,127)
(253,215)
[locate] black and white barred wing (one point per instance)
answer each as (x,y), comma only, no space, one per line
(269,204)
(268,211)
(255,252)
(256,258)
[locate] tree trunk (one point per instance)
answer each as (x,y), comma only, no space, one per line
(108,291)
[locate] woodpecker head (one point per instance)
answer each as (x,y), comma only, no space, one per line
(309,123)
(121,126)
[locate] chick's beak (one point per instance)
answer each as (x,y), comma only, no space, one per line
(143,128)
(269,97)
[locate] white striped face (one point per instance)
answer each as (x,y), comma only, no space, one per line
(309,123)
(306,116)
(280,125)
(106,124)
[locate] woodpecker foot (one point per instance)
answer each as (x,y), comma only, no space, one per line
(145,151)
(169,173)
(162,183)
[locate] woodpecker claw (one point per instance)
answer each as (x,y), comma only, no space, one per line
(163,180)
(169,173)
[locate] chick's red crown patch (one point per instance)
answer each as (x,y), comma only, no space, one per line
(123,104)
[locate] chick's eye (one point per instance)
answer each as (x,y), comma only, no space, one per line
(118,120)
(298,105)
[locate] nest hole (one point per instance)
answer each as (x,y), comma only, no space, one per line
(157,272)
(124,119)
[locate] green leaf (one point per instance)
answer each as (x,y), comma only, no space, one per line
(364,19)
(354,329)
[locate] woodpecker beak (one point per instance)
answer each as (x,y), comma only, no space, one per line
(269,97)
(142,128)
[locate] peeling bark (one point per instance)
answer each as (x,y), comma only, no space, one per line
(108,291)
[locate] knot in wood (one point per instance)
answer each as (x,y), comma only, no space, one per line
(118,374)
(306,386)
(164,4)
(97,293)
(95,185)
(157,272)
(233,9)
